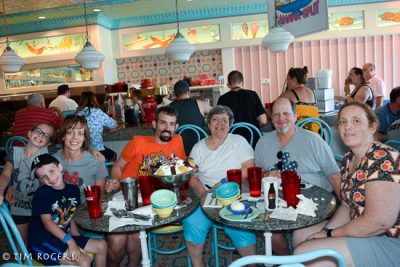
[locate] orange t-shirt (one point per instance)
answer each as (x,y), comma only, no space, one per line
(142,152)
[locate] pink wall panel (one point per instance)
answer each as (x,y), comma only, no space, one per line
(340,55)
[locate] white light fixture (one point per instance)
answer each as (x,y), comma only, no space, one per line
(41,17)
(96,10)
(278,39)
(180,49)
(89,58)
(9,60)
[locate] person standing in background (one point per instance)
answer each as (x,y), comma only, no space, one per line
(377,84)
(245,104)
(191,111)
(36,112)
(63,102)
(97,120)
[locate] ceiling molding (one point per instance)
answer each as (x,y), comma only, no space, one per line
(55,19)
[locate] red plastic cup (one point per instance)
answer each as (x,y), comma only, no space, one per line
(183,191)
(147,185)
(235,175)
(254,177)
(93,201)
(290,187)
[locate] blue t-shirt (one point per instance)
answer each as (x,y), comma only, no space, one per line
(60,204)
(386,118)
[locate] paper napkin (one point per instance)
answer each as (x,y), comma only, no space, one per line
(288,214)
(211,202)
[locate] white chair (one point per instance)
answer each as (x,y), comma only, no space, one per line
(291,261)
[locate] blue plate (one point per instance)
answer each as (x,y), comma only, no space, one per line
(247,209)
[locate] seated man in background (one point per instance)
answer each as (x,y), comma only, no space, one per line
(36,112)
(63,102)
(387,114)
(316,163)
(137,158)
(191,111)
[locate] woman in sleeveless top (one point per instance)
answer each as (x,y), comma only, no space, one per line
(362,92)
(297,91)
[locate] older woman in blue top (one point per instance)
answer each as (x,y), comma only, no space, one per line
(97,120)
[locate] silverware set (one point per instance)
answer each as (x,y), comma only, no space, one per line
(213,198)
(124,214)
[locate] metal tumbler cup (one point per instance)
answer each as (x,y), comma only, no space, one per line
(130,191)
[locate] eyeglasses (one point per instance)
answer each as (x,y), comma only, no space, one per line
(219,121)
(41,134)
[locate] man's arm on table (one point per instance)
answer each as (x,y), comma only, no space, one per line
(116,173)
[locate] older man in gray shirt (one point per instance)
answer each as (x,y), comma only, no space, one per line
(316,163)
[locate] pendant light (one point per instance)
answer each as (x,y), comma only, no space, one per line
(278,39)
(9,60)
(180,49)
(89,58)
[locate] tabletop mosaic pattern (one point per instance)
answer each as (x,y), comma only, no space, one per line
(162,67)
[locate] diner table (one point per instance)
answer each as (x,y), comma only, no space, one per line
(326,206)
(102,224)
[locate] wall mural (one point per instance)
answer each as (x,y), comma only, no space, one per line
(166,71)
(249,29)
(346,21)
(35,77)
(147,40)
(47,46)
(388,17)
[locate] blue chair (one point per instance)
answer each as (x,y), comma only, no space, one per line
(12,233)
(291,261)
(65,113)
(325,130)
(164,230)
(171,229)
(22,265)
(200,132)
(253,130)
(393,143)
(10,142)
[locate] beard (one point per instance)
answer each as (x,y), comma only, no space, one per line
(164,137)
(282,130)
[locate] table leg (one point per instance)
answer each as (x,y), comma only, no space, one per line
(268,243)
(145,252)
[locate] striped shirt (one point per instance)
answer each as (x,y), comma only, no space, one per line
(28,117)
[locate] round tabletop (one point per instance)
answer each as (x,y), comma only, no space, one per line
(101,224)
(326,206)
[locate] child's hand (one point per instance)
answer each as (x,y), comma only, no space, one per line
(112,184)
(73,251)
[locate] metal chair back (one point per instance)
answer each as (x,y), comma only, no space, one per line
(10,142)
(291,261)
(253,130)
(393,143)
(14,237)
(200,132)
(325,130)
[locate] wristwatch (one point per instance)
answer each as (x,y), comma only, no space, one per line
(328,231)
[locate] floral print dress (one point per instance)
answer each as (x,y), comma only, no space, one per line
(380,163)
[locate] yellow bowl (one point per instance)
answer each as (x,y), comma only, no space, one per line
(226,202)
(164,212)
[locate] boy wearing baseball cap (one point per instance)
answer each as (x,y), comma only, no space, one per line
(53,236)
